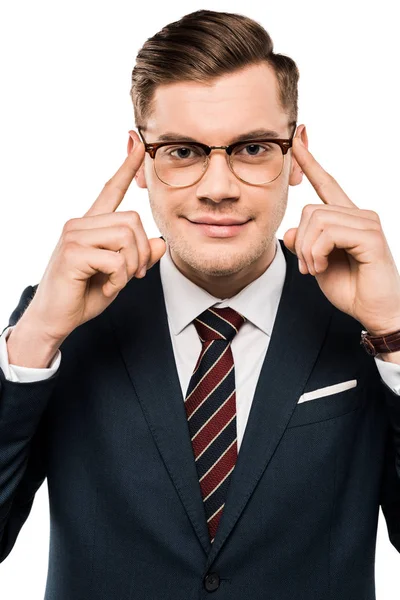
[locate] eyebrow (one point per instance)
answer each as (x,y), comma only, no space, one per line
(254,134)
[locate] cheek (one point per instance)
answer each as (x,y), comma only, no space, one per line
(164,207)
(268,201)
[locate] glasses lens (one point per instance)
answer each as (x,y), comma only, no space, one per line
(257,163)
(180,165)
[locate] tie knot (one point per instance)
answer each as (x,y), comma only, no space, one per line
(218,324)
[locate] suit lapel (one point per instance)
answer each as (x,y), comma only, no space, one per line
(140,320)
(299,330)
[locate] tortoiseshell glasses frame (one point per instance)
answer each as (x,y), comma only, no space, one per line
(283,143)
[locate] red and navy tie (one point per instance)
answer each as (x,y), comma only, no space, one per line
(211,409)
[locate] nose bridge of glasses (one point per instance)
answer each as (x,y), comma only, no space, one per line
(227,152)
(208,150)
(213,169)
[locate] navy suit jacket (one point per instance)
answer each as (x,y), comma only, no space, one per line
(109,432)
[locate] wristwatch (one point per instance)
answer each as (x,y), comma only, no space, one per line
(380,344)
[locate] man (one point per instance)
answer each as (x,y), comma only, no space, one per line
(200,403)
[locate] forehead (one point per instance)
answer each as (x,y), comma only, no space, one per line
(214,113)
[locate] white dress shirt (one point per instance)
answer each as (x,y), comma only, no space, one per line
(184,301)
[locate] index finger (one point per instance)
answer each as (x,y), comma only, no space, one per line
(324,184)
(115,189)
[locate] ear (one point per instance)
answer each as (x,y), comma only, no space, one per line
(140,176)
(296,174)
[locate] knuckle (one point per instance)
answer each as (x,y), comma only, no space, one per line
(68,237)
(297,242)
(132,266)
(377,226)
(126,235)
(69,225)
(69,250)
(329,232)
(132,214)
(133,218)
(123,276)
(306,251)
(307,211)
(119,261)
(120,269)
(379,238)
(299,250)
(374,216)
(317,216)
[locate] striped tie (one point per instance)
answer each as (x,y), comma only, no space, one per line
(211,409)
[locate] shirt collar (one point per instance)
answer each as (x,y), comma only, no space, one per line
(258,301)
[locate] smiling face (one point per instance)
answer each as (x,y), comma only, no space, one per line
(220,259)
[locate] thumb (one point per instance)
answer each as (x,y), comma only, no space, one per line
(289,239)
(158,248)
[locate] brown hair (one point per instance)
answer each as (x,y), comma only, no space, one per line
(204,45)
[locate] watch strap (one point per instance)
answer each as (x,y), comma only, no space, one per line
(380,344)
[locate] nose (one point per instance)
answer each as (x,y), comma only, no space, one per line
(218,182)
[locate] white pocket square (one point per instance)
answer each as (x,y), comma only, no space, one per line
(328,391)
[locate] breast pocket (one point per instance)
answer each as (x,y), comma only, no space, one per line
(327,402)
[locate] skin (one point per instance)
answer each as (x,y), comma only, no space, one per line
(339,244)
(336,242)
(215,114)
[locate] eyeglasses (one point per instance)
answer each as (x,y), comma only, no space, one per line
(181,164)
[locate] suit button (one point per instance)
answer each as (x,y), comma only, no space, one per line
(211,582)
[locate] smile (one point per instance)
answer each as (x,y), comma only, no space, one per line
(218,231)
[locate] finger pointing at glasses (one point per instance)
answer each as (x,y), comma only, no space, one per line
(345,248)
(94,259)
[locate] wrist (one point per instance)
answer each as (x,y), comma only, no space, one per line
(393,357)
(29,346)
(385,329)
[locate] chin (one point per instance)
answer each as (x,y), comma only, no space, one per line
(218,260)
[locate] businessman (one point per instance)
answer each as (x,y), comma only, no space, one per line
(216,410)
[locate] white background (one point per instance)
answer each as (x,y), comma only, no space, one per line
(64,117)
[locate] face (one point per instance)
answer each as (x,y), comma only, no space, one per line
(222,260)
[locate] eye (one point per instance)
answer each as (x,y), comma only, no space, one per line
(253,149)
(183,152)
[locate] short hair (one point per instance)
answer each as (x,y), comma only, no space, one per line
(202,46)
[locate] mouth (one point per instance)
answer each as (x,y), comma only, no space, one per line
(223,229)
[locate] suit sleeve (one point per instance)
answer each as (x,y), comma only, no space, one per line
(390,491)
(22,443)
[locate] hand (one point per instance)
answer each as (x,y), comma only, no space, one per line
(94,259)
(345,249)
